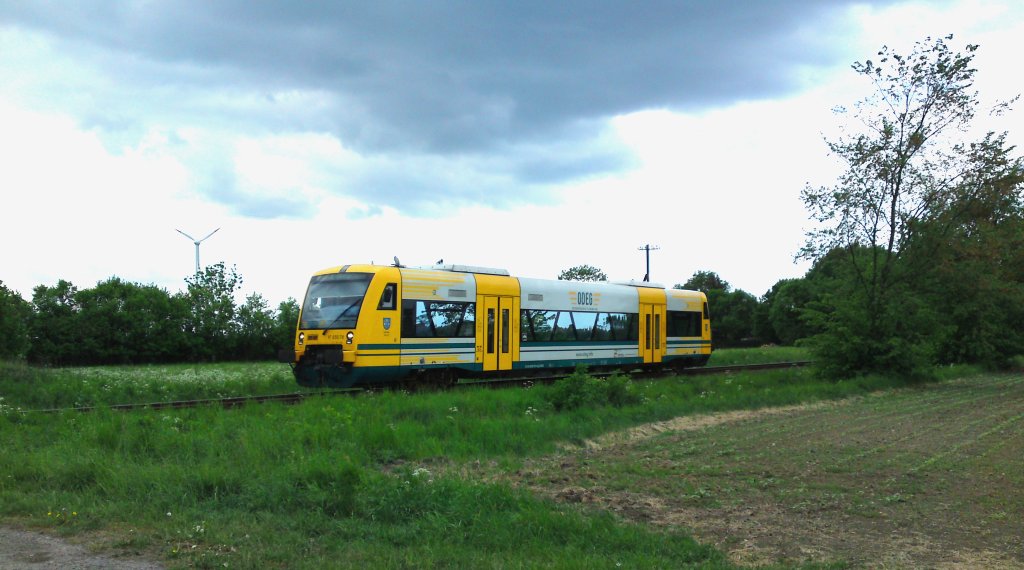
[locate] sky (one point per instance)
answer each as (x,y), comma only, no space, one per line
(532,136)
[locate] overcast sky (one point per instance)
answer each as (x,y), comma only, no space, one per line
(533,136)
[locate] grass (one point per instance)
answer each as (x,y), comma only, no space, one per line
(33,388)
(347,479)
(377,480)
(44,388)
(760,355)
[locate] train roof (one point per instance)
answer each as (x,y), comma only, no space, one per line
(470,269)
(481,270)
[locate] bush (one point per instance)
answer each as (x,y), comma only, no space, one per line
(583,390)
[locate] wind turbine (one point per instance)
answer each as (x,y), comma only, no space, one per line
(197,242)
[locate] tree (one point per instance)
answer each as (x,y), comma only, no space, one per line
(124,323)
(973,253)
(732,312)
(53,326)
(786,310)
(107,330)
(211,295)
(732,317)
(908,165)
(15,313)
(705,281)
(285,322)
(255,326)
(582,273)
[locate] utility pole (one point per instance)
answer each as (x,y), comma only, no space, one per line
(197,242)
(647,249)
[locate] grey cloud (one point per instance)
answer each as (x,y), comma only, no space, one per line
(218,181)
(459,82)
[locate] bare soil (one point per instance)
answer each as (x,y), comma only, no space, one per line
(931,477)
(22,549)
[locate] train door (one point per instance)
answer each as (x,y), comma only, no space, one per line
(652,332)
(499,330)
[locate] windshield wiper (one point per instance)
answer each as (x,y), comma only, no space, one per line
(341,314)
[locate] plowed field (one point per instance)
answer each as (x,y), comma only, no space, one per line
(925,477)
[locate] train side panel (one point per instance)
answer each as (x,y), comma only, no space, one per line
(689,329)
(438,321)
(564,323)
(498,306)
(378,333)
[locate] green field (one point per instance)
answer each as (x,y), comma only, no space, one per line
(387,479)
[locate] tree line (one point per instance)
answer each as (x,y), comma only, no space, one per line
(924,228)
(119,322)
(919,246)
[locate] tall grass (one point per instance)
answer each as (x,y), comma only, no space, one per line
(360,480)
(46,388)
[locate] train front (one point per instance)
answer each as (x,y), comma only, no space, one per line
(325,340)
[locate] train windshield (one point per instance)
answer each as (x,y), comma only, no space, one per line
(333,301)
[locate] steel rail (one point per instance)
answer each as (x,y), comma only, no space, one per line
(228,402)
(638,374)
(296,397)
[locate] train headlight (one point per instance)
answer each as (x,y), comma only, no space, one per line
(302,337)
(348,338)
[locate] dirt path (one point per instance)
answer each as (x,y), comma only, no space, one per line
(20,549)
(931,477)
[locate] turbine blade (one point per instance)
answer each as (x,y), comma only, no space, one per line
(184,234)
(210,234)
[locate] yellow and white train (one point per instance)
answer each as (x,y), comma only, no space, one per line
(362,325)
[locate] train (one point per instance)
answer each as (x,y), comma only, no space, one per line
(367,325)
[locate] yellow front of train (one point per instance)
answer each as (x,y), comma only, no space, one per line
(348,329)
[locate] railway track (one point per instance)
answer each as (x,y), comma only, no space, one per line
(294,398)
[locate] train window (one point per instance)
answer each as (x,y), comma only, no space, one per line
(603,327)
(647,331)
(446,318)
(387,298)
(438,319)
(504,330)
(333,301)
(468,327)
(625,326)
(564,326)
(584,325)
(538,325)
(565,330)
(683,323)
(490,331)
(657,331)
(409,319)
(526,325)
(706,316)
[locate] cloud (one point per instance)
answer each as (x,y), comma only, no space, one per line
(436,102)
